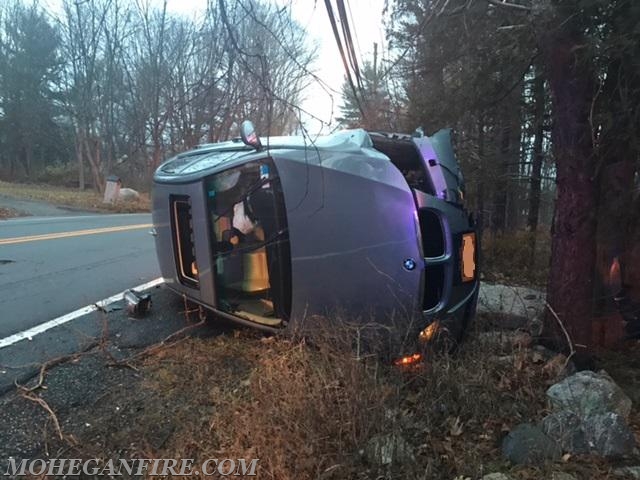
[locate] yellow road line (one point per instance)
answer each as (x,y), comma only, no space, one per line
(75,233)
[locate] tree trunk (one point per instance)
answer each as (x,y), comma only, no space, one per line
(501,184)
(537,155)
(570,287)
(536,167)
(156,158)
(508,161)
(94,162)
(28,159)
(480,189)
(80,158)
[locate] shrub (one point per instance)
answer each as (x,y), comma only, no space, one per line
(509,257)
(59,174)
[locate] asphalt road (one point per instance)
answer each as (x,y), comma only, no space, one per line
(50,266)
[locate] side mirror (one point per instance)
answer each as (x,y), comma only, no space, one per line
(249,135)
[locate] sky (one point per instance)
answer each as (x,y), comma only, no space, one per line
(365,20)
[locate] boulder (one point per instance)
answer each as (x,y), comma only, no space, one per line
(497,476)
(562,476)
(606,434)
(527,444)
(588,393)
(516,307)
(609,435)
(128,195)
(628,472)
(565,428)
(388,449)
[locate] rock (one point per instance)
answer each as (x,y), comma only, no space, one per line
(127,195)
(535,326)
(527,444)
(606,434)
(629,472)
(541,353)
(497,476)
(388,449)
(609,435)
(565,428)
(562,476)
(515,305)
(587,393)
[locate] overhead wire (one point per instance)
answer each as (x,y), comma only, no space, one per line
(355,32)
(346,33)
(343,56)
(242,52)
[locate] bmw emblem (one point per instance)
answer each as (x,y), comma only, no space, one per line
(409,264)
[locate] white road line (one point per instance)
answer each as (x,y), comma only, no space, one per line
(43,327)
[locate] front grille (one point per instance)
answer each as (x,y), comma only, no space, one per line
(433,286)
(183,242)
(436,260)
(432,233)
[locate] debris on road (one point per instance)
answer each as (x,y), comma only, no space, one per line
(138,304)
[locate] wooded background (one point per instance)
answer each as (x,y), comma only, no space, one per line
(542,96)
(115,86)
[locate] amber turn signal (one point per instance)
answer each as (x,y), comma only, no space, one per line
(408,360)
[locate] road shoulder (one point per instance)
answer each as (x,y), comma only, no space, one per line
(81,371)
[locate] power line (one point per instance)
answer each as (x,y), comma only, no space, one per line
(259,77)
(355,32)
(336,35)
(346,32)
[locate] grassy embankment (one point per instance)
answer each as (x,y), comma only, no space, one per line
(72,198)
(310,411)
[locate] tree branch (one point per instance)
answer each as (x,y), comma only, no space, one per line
(515,6)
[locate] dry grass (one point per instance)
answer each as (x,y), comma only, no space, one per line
(508,258)
(10,213)
(74,198)
(309,411)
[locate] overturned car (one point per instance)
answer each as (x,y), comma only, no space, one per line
(273,233)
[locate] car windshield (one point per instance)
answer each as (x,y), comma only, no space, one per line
(185,164)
